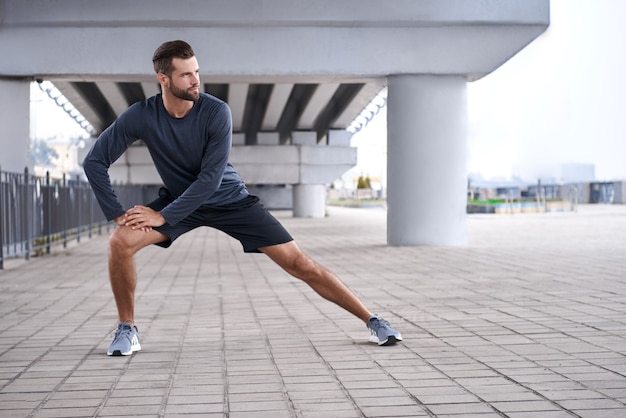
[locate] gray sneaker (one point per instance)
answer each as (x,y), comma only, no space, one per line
(381,331)
(126,340)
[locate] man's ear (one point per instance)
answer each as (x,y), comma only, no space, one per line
(162,78)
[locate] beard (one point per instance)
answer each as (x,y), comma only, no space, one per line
(184,94)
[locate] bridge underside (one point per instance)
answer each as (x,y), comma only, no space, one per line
(257,108)
(295,74)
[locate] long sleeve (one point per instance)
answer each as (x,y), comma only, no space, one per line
(109,146)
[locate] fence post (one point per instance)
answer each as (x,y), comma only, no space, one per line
(64,217)
(1,221)
(26,218)
(78,197)
(89,210)
(48,211)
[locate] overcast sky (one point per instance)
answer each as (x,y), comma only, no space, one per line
(560,100)
(48,120)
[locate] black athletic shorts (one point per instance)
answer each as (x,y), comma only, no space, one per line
(246,220)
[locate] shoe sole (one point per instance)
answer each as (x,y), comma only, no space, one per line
(391,340)
(118,353)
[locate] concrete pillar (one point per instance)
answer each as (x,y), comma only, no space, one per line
(15,123)
(426,167)
(309,201)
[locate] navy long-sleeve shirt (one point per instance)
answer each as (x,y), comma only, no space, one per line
(190,154)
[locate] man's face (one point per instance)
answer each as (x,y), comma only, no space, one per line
(184,82)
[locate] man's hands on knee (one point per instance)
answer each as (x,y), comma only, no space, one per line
(141,218)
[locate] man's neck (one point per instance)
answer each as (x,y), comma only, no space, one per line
(176,107)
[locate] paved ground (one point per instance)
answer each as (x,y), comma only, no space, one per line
(528,320)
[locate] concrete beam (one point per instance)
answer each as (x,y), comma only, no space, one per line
(113,95)
(268,41)
(322,95)
(322,13)
(280,95)
(237,101)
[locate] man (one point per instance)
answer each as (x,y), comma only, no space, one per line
(188,134)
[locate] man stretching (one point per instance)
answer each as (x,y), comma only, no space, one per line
(188,134)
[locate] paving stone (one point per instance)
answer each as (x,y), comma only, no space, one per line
(461,408)
(68,412)
(540,414)
(592,404)
(525,406)
(604,413)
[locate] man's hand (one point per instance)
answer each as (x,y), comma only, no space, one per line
(142,218)
(120,220)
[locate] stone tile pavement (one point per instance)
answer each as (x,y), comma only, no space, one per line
(527,320)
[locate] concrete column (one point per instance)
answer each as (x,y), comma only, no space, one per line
(15,123)
(309,200)
(426,167)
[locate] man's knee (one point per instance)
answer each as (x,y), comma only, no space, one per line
(120,243)
(293,260)
(304,267)
(125,241)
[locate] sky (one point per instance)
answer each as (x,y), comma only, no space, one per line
(47,119)
(560,100)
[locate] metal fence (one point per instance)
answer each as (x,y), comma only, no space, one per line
(37,213)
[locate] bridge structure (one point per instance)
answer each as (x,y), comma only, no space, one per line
(295,74)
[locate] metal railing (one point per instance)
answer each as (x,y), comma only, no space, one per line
(37,213)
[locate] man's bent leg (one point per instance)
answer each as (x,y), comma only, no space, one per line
(326,284)
(123,245)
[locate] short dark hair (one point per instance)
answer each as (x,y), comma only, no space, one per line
(162,58)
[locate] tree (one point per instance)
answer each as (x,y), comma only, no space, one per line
(363,183)
(41,154)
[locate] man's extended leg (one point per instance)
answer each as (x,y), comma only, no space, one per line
(326,284)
